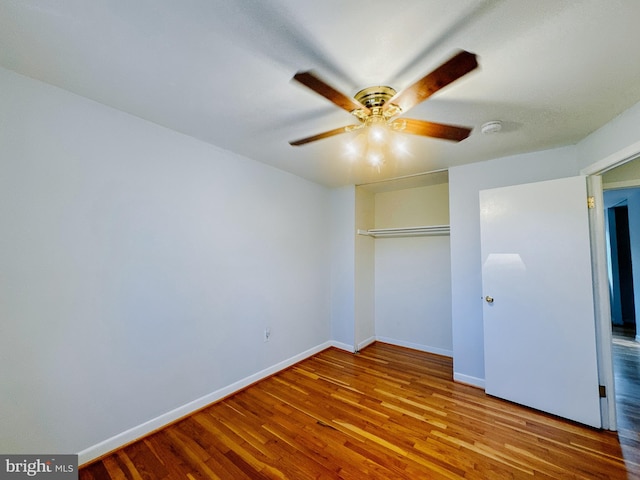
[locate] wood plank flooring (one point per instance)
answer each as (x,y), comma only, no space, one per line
(386,413)
(626,366)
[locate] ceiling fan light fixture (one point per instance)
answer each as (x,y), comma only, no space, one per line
(377,134)
(397,125)
(375,158)
(377,129)
(400,147)
(351,150)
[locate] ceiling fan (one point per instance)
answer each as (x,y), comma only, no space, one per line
(378,106)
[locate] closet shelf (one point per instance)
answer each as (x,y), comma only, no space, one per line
(406,231)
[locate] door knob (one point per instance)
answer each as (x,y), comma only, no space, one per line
(488,299)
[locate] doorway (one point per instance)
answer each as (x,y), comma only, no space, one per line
(622,222)
(620,266)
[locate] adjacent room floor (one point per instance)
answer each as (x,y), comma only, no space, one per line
(626,365)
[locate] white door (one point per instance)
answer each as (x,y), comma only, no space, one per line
(539,331)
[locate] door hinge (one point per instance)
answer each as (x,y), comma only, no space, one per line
(603,391)
(591,202)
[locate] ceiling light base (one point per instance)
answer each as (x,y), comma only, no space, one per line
(491,127)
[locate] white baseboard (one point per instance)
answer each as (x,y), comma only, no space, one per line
(343,346)
(416,346)
(139,431)
(468,380)
(366,343)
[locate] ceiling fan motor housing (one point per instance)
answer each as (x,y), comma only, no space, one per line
(374,96)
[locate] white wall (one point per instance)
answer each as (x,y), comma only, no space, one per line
(615,140)
(364,270)
(343,261)
(413,293)
(465,183)
(411,207)
(139,268)
(413,274)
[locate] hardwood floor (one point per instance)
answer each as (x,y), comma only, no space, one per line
(386,413)
(626,366)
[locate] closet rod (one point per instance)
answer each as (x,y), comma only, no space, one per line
(406,231)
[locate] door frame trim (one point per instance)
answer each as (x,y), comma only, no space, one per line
(614,160)
(602,306)
(601,301)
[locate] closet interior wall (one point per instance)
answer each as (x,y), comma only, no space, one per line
(404,282)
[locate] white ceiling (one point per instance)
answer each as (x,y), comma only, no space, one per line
(219,70)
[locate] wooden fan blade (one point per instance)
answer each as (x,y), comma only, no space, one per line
(437,130)
(310,80)
(458,66)
(320,136)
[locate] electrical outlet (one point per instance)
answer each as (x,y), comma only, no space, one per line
(267,334)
